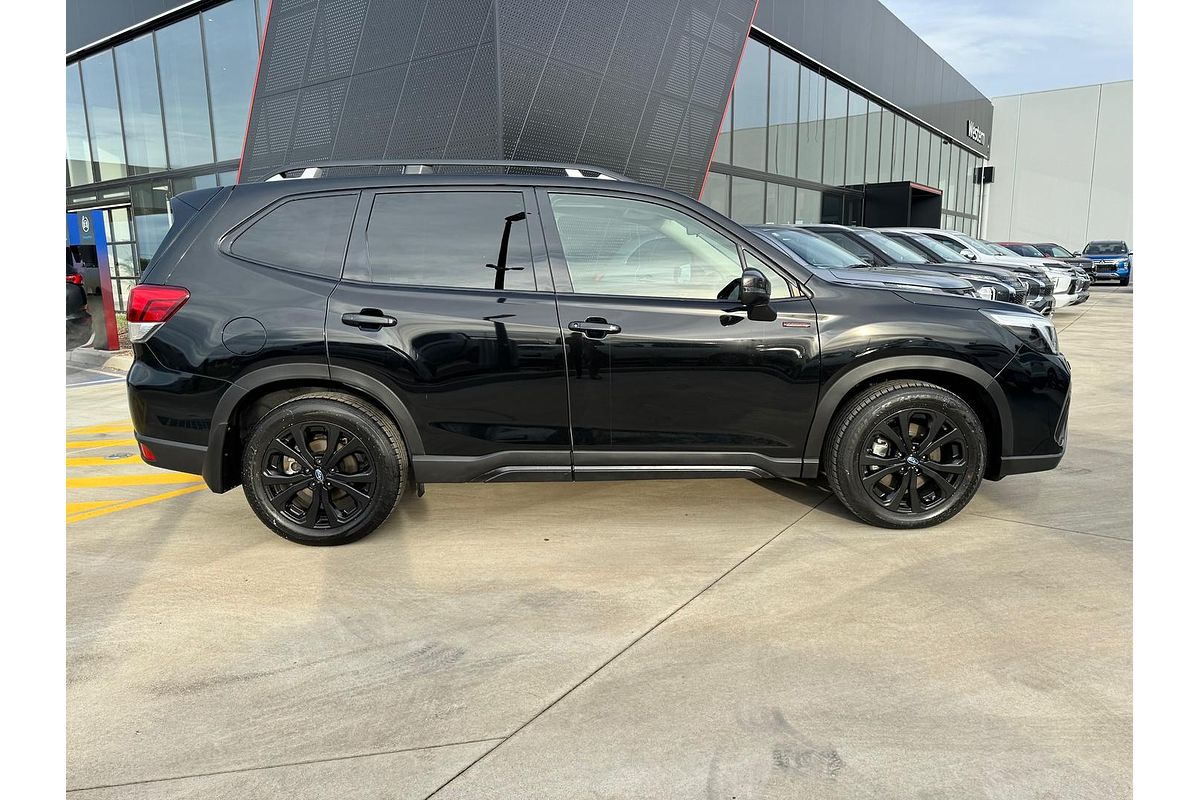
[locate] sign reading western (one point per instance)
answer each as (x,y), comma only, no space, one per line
(976,132)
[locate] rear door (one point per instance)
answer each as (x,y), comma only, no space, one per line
(446,299)
(661,372)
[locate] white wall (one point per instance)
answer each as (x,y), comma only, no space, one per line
(1063,166)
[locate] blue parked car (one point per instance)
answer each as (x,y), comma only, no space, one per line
(1113,260)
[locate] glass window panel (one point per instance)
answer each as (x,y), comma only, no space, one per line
(781,203)
(874,120)
(120,228)
(812,125)
(964,181)
(140,106)
(716,192)
(944,169)
(181,185)
(836,100)
(724,148)
(748,201)
(898,149)
(750,109)
(308,235)
(231,47)
(263,7)
(952,181)
(185,94)
(104,116)
(784,115)
(831,208)
(887,130)
(616,246)
(470,228)
(922,173)
(977,195)
(909,172)
(808,207)
(856,140)
(228,178)
(79,149)
(151,219)
(121,256)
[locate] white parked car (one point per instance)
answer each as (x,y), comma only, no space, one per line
(1068,288)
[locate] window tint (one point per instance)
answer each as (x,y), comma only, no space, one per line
(308,234)
(450,239)
(615,246)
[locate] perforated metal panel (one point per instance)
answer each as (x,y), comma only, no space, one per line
(637,86)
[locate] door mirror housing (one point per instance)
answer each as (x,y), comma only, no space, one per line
(755,289)
(967,254)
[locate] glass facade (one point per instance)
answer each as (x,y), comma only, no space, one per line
(797,146)
(156,115)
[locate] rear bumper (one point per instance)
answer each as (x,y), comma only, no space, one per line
(175,456)
(1020,465)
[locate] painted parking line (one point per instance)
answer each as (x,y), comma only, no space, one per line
(102,461)
(112,427)
(144,501)
(106,481)
(88,444)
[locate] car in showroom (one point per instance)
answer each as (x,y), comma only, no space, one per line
(1039,294)
(1113,260)
(332,338)
(79,319)
(880,252)
(1066,282)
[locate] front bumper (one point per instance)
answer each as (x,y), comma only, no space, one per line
(1038,390)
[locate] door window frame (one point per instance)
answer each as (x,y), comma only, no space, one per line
(562,278)
(358,267)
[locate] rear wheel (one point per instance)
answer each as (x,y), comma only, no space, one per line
(324,469)
(906,454)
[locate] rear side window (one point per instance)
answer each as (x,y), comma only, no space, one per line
(308,234)
(468,240)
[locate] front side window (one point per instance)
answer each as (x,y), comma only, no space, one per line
(460,239)
(308,234)
(617,246)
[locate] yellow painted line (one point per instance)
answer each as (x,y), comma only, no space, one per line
(100,461)
(145,501)
(87,444)
(111,427)
(131,480)
(75,508)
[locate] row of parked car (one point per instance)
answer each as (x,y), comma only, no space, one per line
(932,260)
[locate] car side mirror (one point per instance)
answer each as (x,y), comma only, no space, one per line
(755,289)
(1129,253)
(967,254)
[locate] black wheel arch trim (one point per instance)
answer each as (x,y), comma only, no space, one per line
(219,473)
(841,387)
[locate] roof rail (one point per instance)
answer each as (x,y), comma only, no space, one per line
(428,166)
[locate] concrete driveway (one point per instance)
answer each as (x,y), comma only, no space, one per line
(717,639)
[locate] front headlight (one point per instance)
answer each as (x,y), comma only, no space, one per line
(986,292)
(1033,330)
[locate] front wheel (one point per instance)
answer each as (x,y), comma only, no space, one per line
(906,454)
(1125,281)
(324,469)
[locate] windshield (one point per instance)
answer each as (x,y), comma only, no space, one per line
(895,250)
(1055,251)
(945,253)
(985,247)
(1026,250)
(814,250)
(1105,249)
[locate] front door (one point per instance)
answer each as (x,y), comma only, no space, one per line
(446,299)
(662,373)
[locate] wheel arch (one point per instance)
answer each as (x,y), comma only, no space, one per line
(976,387)
(268,386)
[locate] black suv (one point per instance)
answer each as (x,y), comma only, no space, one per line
(331,341)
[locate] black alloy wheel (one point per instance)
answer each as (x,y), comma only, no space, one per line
(324,469)
(905,454)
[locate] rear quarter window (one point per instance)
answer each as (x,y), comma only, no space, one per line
(307,234)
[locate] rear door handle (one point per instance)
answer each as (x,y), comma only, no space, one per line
(594,327)
(369,319)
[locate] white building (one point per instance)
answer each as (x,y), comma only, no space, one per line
(1063,166)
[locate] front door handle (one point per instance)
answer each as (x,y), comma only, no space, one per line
(369,319)
(594,327)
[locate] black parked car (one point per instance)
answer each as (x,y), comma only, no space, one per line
(1039,294)
(1053,250)
(329,342)
(79,319)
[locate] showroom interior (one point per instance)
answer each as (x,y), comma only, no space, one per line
(839,113)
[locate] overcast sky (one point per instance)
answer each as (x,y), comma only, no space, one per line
(1026,45)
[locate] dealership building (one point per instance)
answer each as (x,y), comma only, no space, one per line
(769,111)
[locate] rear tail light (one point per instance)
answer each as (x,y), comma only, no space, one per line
(75,279)
(151,306)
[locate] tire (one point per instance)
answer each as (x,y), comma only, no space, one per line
(283,482)
(869,476)
(1125,281)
